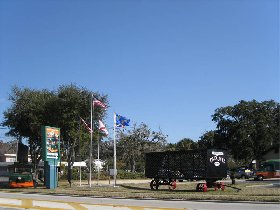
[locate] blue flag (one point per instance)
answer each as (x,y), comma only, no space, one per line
(121,121)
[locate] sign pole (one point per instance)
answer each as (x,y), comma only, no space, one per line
(98,166)
(51,154)
(115,153)
(91,133)
(79,143)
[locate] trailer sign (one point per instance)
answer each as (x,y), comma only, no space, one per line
(217,163)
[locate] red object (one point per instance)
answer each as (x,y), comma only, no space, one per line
(174,185)
(99,103)
(21,184)
(205,188)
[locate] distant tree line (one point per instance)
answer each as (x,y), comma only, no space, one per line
(247,129)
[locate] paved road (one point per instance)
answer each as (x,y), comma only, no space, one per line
(37,201)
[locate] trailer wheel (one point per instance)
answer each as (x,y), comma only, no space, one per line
(198,187)
(223,187)
(201,187)
(154,184)
(205,188)
(172,185)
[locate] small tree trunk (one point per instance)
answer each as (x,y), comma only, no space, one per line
(69,169)
(133,165)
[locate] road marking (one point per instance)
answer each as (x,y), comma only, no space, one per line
(97,207)
(50,204)
(77,206)
(10,201)
(27,202)
(55,205)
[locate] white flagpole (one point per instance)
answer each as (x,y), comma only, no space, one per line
(91,133)
(98,174)
(80,173)
(115,153)
(80,152)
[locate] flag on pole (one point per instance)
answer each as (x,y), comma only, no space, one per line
(121,121)
(86,125)
(98,103)
(102,128)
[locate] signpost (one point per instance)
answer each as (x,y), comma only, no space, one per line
(50,154)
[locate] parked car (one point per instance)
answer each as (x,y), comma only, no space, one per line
(244,173)
(268,169)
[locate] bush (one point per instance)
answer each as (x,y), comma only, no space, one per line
(103,175)
(130,175)
(75,174)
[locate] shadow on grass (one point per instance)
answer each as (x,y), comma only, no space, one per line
(263,181)
(159,190)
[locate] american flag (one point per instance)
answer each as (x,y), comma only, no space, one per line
(99,103)
(86,125)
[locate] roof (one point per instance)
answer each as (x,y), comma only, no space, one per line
(8,147)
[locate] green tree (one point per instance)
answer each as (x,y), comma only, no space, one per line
(211,139)
(133,145)
(247,129)
(170,147)
(71,104)
(186,144)
(63,108)
(26,116)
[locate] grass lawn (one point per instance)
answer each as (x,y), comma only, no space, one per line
(184,191)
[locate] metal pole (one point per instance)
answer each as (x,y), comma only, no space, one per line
(80,165)
(98,158)
(91,133)
(80,152)
(115,153)
(17,151)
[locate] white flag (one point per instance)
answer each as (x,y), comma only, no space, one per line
(102,128)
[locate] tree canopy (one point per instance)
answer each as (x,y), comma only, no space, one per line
(247,129)
(133,145)
(62,108)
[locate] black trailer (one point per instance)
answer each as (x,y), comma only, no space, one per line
(167,167)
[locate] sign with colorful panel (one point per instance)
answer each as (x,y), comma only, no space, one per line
(50,143)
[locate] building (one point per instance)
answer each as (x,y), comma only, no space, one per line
(8,158)
(8,147)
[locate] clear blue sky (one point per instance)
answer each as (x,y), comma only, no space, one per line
(167,63)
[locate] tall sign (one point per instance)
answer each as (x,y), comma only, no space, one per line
(50,143)
(50,154)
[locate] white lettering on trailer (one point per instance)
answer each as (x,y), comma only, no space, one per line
(217,160)
(217,153)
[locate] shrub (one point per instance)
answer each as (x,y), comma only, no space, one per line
(130,175)
(103,175)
